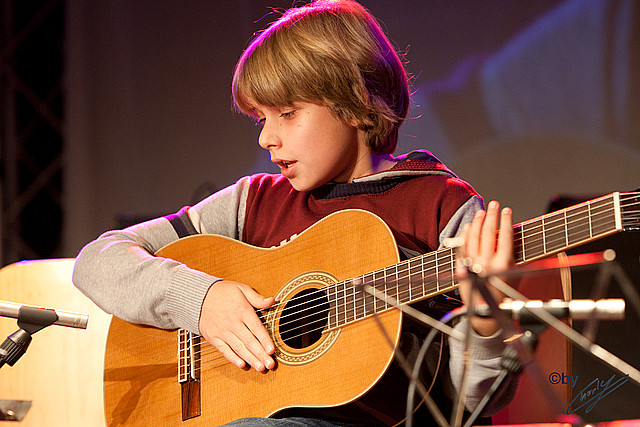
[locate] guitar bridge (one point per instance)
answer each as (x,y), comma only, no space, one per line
(189,373)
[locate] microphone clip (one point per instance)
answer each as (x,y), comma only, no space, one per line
(30,321)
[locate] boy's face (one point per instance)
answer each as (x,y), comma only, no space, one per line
(311,145)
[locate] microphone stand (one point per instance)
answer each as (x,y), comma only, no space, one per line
(515,356)
(575,337)
(520,351)
(511,365)
(402,361)
(544,319)
(30,321)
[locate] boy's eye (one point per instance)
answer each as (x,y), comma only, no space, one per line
(287,114)
(260,122)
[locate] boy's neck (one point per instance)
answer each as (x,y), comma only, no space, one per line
(382,162)
(370,164)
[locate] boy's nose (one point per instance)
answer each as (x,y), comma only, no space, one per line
(268,139)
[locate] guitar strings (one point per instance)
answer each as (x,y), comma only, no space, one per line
(350,296)
(406,267)
(219,358)
(339,305)
(592,211)
(396,281)
(547,228)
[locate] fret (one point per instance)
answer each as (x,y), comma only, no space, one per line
(404,282)
(360,297)
(437,274)
(522,245)
(390,286)
(369,300)
(452,263)
(416,278)
(556,233)
(566,236)
(450,270)
(578,227)
(423,278)
(406,276)
(524,241)
(534,242)
(431,272)
(340,302)
(349,302)
(333,309)
(357,298)
(445,262)
(380,283)
(589,214)
(603,216)
(396,288)
(518,249)
(544,236)
(453,267)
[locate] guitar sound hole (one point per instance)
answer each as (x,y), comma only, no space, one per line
(303,318)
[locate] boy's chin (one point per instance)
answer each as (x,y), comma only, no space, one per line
(301,186)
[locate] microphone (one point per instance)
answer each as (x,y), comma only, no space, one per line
(64,318)
(577,309)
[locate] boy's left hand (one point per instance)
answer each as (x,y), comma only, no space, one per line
(487,253)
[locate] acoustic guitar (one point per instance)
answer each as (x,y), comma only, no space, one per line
(331,338)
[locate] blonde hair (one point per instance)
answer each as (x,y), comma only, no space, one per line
(331,52)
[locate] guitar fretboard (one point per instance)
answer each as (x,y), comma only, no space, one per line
(408,281)
(567,228)
(433,273)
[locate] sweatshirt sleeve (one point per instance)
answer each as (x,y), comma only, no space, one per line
(485,352)
(485,358)
(119,272)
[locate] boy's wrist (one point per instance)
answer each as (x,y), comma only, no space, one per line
(484,327)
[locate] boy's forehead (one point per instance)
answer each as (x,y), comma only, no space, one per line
(258,109)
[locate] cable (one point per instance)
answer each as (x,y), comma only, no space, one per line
(449,317)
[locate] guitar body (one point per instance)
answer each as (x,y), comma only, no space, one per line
(141,386)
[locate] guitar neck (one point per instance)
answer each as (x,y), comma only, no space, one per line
(433,273)
(573,226)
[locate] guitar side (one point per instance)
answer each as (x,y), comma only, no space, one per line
(141,384)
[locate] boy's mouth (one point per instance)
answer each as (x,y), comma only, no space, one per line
(286,167)
(284,164)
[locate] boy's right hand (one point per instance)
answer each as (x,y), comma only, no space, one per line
(229,322)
